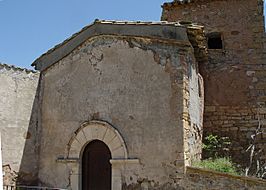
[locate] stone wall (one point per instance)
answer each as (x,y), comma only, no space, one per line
(18,123)
(205,179)
(135,84)
(194,91)
(234,78)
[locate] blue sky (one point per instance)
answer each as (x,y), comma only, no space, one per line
(29,28)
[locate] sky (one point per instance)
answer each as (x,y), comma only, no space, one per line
(28,28)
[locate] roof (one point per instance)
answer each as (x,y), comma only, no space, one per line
(177,2)
(185,2)
(15,68)
(161,30)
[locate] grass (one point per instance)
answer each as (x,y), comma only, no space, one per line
(219,164)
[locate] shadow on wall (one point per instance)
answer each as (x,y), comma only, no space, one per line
(28,171)
(264,13)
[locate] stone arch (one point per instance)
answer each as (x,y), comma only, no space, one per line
(97,130)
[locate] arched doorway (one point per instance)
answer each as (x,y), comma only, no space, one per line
(96,131)
(96,166)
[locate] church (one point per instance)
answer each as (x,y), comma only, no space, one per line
(123,105)
(122,98)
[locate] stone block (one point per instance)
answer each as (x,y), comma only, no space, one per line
(209,108)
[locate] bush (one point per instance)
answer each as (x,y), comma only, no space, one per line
(218,164)
(215,146)
(216,155)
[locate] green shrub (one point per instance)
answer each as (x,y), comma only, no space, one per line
(216,155)
(218,164)
(215,146)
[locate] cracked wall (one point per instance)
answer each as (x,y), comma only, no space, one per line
(135,84)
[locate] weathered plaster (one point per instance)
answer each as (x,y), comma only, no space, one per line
(18,88)
(135,84)
(159,30)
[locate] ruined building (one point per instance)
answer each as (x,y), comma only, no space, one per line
(128,98)
(235,76)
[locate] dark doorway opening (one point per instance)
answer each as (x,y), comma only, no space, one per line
(96,166)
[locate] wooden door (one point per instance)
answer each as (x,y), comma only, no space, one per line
(96,167)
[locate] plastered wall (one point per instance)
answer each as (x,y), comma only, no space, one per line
(137,86)
(18,88)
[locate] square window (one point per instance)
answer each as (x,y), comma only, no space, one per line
(215,41)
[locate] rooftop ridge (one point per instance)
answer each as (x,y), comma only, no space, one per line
(161,23)
(16,68)
(136,22)
(184,2)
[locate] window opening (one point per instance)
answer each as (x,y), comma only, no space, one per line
(215,41)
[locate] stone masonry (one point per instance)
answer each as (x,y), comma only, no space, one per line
(235,76)
(197,178)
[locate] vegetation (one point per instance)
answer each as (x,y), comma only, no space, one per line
(215,146)
(216,156)
(257,165)
(218,164)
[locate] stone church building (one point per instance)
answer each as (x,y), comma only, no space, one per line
(124,98)
(124,105)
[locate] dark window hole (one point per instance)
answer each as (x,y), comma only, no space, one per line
(215,41)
